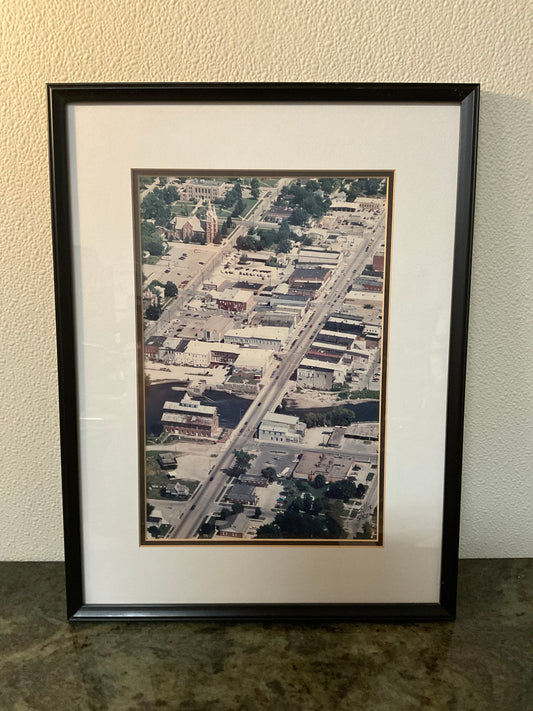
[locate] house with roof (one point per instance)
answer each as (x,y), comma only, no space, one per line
(242,494)
(234,526)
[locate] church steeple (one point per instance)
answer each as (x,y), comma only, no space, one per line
(211,224)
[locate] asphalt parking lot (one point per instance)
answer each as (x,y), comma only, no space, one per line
(181,263)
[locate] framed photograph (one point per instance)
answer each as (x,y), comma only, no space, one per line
(262,301)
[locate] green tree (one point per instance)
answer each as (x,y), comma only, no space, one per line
(269,530)
(319,482)
(239,207)
(269,473)
(257,512)
(154,207)
(249,243)
(170,194)
(307,502)
(153,312)
(328,185)
(237,507)
(171,289)
(150,240)
(284,230)
(242,460)
(361,491)
(284,245)
(254,184)
(344,489)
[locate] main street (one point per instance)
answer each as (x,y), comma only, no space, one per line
(271,395)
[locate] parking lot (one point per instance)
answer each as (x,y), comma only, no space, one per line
(271,454)
(181,263)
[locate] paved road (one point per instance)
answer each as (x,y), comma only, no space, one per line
(271,395)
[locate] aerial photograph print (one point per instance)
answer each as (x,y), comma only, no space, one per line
(262,322)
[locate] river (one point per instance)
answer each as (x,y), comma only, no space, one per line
(230,407)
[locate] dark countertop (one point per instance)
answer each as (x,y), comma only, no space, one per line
(481,661)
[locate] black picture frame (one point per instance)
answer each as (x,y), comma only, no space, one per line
(63,96)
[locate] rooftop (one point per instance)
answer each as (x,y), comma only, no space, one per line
(321,365)
(252,357)
(331,466)
(271,417)
(189,405)
(238,523)
(179,222)
(241,490)
(272,333)
(185,418)
(233,295)
(156,341)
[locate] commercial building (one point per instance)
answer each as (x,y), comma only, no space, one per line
(281,428)
(252,363)
(152,347)
(319,375)
(216,327)
(333,467)
(190,418)
(335,338)
(326,353)
(298,303)
(369,204)
(378,262)
(274,319)
(235,300)
(316,256)
(215,283)
(242,494)
(267,337)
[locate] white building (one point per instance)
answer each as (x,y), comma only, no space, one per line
(281,428)
(319,375)
(267,337)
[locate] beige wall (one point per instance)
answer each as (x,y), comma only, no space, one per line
(285,40)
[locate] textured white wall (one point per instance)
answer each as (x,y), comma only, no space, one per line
(293,40)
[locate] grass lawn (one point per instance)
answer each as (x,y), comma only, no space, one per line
(249,203)
(267,182)
(364,394)
(182,208)
(157,478)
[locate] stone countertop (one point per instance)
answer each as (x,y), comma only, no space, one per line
(481,661)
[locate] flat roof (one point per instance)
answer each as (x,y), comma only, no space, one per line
(186,418)
(282,419)
(205,347)
(233,295)
(271,333)
(321,365)
(252,357)
(194,407)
